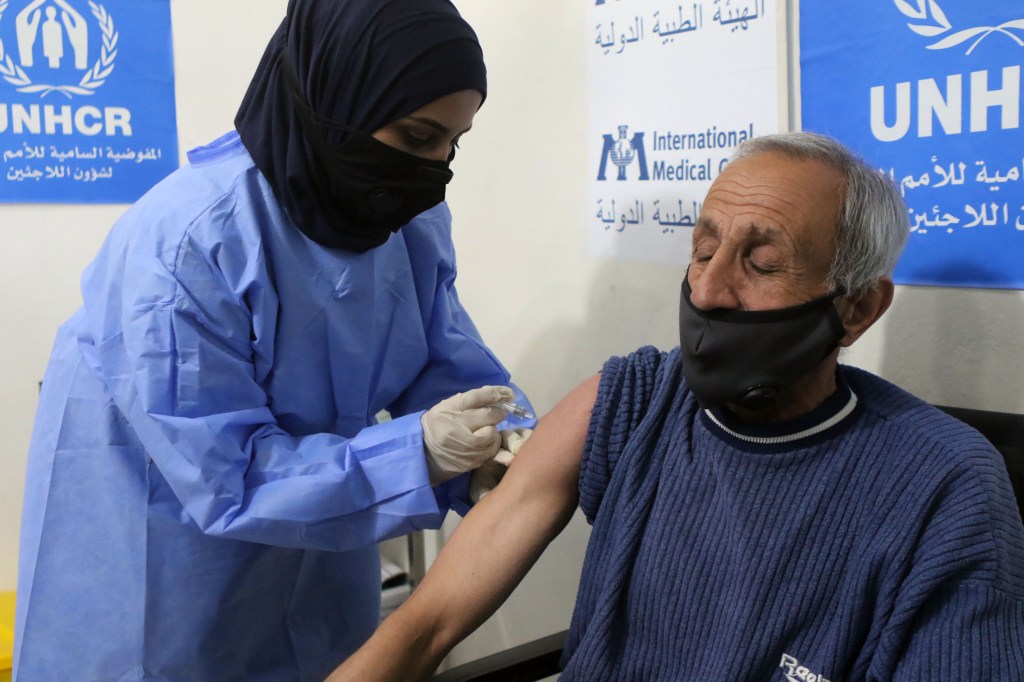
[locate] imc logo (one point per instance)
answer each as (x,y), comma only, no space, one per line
(623,152)
(53,46)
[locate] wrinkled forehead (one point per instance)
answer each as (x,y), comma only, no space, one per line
(773,198)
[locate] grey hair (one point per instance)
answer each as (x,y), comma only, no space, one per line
(874,225)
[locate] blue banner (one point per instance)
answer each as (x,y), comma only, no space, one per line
(86,100)
(930,92)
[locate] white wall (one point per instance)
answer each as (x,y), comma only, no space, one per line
(551,312)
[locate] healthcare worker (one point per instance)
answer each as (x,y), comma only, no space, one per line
(207,480)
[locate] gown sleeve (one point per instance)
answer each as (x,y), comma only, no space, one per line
(458,357)
(458,360)
(174,341)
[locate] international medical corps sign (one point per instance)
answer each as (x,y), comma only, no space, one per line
(930,92)
(673,89)
(86,100)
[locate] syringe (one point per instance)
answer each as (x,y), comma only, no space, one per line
(514,409)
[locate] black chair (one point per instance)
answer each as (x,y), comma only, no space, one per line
(539,659)
(1006,432)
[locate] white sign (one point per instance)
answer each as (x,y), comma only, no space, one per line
(673,89)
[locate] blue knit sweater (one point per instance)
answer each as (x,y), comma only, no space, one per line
(873,539)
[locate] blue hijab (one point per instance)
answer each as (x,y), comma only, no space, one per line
(361,63)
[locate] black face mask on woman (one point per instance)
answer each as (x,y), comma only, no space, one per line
(372,188)
(745,357)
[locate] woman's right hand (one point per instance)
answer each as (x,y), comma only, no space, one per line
(459,433)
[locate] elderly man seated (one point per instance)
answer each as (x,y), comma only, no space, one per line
(759,511)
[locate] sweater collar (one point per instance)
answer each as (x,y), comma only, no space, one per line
(833,412)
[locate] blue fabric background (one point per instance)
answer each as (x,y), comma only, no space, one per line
(848,48)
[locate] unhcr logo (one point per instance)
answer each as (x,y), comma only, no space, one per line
(623,152)
(928,19)
(53,48)
(49,49)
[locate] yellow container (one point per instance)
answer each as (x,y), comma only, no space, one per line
(6,635)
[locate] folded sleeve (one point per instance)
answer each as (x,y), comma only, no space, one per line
(623,398)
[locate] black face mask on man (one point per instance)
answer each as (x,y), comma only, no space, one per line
(745,357)
(372,188)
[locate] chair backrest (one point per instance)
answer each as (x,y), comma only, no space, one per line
(1005,431)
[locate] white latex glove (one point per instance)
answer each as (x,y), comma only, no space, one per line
(492,471)
(459,433)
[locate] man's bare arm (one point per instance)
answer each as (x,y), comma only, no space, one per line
(489,553)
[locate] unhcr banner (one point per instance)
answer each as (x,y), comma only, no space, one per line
(86,100)
(930,92)
(673,88)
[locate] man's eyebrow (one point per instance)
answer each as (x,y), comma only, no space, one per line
(708,225)
(436,125)
(764,233)
(759,233)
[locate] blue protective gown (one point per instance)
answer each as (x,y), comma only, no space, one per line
(205,489)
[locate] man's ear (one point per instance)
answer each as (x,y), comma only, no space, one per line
(858,315)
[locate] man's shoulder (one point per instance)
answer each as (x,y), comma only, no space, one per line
(640,380)
(936,446)
(636,392)
(645,359)
(945,476)
(886,405)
